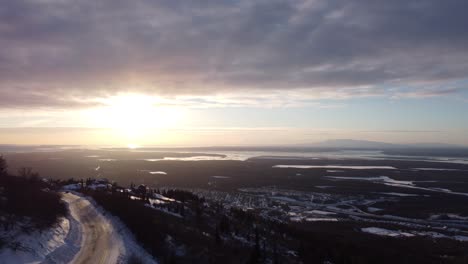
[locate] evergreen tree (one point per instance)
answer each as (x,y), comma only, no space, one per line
(224,225)
(3,166)
(182,211)
(275,252)
(218,239)
(255,255)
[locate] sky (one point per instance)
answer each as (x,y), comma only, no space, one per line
(227,72)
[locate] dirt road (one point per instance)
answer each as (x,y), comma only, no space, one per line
(100,241)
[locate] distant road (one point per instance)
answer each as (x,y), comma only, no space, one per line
(101,244)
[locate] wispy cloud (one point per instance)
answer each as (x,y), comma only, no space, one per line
(425,93)
(401,131)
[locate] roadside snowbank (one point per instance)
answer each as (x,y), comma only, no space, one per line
(67,251)
(132,248)
(61,243)
(32,247)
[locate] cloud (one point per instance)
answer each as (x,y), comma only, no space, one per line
(428,90)
(401,131)
(425,93)
(272,99)
(20,97)
(61,53)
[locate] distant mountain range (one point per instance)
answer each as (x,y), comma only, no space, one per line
(365,144)
(352,143)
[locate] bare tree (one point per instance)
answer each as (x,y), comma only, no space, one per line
(25,172)
(28,173)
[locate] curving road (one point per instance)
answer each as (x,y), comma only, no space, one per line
(100,242)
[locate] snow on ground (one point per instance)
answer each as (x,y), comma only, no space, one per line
(461,238)
(384,179)
(312,219)
(72,244)
(192,158)
(179,250)
(162,197)
(319,212)
(315,219)
(72,187)
(399,233)
(386,232)
(282,198)
(131,247)
(434,169)
(107,159)
(324,186)
(100,243)
(154,172)
(373,209)
(35,246)
(448,217)
(285,157)
(98,186)
(320,216)
(164,210)
(399,194)
(158,172)
(397,183)
(335,167)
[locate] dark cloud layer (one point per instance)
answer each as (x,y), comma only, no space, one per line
(78,49)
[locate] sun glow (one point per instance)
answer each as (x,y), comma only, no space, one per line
(132,146)
(135,117)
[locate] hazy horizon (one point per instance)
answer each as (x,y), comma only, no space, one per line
(325,144)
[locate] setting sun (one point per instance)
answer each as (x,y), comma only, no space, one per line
(130,112)
(133,146)
(135,117)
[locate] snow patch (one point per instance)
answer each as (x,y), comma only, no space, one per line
(319,212)
(158,172)
(72,187)
(386,232)
(316,219)
(399,194)
(373,209)
(397,183)
(435,169)
(324,186)
(399,233)
(335,167)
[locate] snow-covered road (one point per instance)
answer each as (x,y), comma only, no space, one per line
(89,234)
(100,243)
